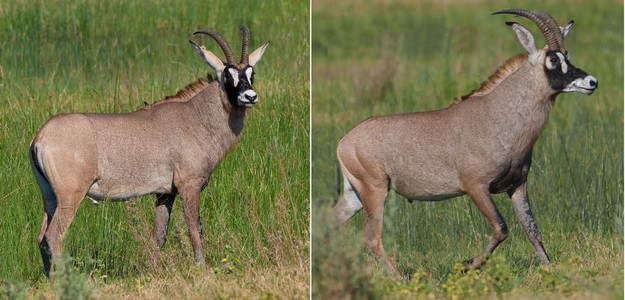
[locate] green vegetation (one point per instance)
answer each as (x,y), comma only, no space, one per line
(111,56)
(390,57)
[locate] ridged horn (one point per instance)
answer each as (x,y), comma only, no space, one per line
(545,22)
(245,49)
(222,43)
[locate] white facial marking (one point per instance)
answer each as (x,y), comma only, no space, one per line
(248,74)
(548,63)
(585,85)
(247,98)
(235,75)
(565,67)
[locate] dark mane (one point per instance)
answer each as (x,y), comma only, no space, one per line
(184,94)
(500,74)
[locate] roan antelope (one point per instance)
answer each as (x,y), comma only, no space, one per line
(167,148)
(480,145)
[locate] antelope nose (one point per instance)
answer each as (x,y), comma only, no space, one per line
(594,83)
(251,98)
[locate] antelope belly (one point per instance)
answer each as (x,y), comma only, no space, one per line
(433,197)
(426,190)
(122,191)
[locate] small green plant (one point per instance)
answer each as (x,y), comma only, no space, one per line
(556,280)
(13,289)
(69,283)
(417,287)
(494,278)
(95,267)
(230,264)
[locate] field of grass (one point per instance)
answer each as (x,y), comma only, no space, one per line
(386,57)
(111,56)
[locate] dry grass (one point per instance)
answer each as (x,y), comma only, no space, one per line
(276,282)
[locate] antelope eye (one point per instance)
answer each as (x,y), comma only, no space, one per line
(553,60)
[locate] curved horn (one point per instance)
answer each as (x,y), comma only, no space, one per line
(222,43)
(545,22)
(245,50)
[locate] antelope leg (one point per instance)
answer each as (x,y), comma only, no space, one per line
(51,245)
(44,247)
(373,202)
(483,200)
(164,204)
(520,201)
(191,207)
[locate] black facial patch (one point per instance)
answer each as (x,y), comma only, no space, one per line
(236,86)
(558,80)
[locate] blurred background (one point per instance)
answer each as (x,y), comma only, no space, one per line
(385,57)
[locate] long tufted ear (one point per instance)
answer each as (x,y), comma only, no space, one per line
(526,39)
(565,29)
(257,54)
(211,59)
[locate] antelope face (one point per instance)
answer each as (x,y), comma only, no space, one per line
(236,79)
(238,85)
(564,76)
(561,75)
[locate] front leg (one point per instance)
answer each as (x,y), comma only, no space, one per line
(484,202)
(520,200)
(190,198)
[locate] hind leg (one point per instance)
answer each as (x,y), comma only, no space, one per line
(49,206)
(56,220)
(164,204)
(44,248)
(49,200)
(348,205)
(373,201)
(373,195)
(52,241)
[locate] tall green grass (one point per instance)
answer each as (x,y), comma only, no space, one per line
(399,56)
(111,56)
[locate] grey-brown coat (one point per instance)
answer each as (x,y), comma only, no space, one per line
(479,145)
(169,147)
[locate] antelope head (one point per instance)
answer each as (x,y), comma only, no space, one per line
(235,79)
(561,74)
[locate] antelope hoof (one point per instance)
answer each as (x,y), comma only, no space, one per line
(471,264)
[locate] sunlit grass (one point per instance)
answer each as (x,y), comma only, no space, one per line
(93,56)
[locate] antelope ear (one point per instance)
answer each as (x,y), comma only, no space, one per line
(527,41)
(257,54)
(565,29)
(211,59)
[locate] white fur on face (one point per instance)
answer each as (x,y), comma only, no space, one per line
(248,74)
(235,76)
(565,67)
(248,98)
(585,85)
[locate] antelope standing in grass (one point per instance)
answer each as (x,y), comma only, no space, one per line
(170,147)
(480,145)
